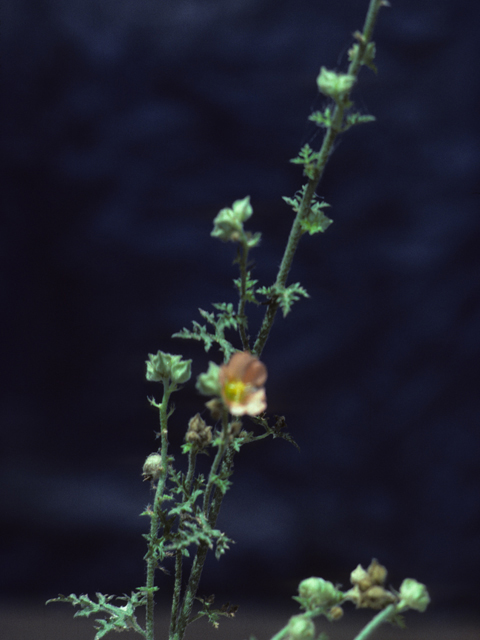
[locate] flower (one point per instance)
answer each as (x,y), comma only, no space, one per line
(241,384)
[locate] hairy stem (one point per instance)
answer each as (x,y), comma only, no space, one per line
(201,555)
(215,465)
(333,130)
(154,519)
(241,303)
(178,556)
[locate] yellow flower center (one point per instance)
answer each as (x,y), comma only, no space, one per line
(235,391)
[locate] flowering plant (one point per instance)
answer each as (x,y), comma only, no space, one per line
(185,506)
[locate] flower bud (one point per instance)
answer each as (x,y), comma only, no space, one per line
(198,433)
(301,628)
(377,572)
(359,577)
(215,406)
(333,84)
(228,224)
(165,366)
(317,592)
(207,383)
(413,595)
(152,467)
(335,613)
(235,427)
(376,597)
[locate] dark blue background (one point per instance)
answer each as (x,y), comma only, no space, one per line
(126,127)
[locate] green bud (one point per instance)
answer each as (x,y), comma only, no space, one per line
(333,84)
(317,592)
(301,628)
(242,209)
(228,224)
(165,366)
(207,383)
(413,595)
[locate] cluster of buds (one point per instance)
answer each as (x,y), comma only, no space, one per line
(198,433)
(368,590)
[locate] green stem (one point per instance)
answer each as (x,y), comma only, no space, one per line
(178,556)
(381,617)
(154,520)
(325,151)
(201,555)
(243,289)
(215,464)
(283,632)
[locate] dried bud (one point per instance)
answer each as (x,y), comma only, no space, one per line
(152,467)
(215,407)
(377,572)
(413,595)
(198,433)
(235,428)
(360,578)
(354,595)
(301,628)
(335,613)
(376,598)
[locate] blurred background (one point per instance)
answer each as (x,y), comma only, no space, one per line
(126,126)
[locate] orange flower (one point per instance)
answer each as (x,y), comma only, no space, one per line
(241,384)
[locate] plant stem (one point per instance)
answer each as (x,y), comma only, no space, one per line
(178,556)
(243,288)
(325,151)
(283,632)
(215,464)
(201,555)
(381,617)
(154,519)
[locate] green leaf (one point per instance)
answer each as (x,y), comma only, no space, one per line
(249,289)
(308,158)
(289,295)
(296,201)
(367,57)
(322,118)
(279,430)
(118,618)
(227,610)
(285,296)
(224,319)
(356,118)
(316,220)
